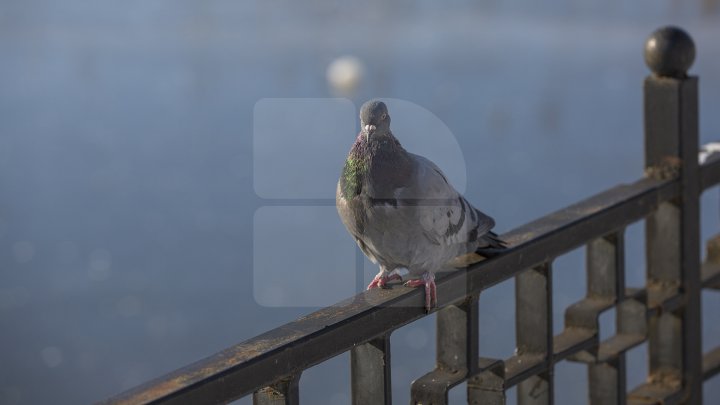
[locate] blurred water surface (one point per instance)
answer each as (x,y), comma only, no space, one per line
(136,233)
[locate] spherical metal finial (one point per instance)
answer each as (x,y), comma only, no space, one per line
(669,52)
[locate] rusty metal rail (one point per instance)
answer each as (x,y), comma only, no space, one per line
(666,313)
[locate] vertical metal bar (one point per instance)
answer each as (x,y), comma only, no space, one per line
(673,238)
(609,375)
(370,372)
(457,337)
(457,353)
(283,392)
(606,280)
(606,266)
(534,331)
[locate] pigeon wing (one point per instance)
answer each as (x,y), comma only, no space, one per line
(445,216)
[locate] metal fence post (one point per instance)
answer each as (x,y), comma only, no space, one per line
(488,387)
(606,281)
(534,331)
(672,232)
(370,372)
(283,392)
(457,353)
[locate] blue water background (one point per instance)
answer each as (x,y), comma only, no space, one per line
(136,232)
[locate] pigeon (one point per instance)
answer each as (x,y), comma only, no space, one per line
(402,211)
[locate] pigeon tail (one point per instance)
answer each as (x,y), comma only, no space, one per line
(492,245)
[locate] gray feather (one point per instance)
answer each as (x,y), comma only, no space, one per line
(405,213)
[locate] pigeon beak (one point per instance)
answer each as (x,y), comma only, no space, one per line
(369,129)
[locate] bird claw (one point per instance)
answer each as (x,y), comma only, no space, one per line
(381,280)
(428,281)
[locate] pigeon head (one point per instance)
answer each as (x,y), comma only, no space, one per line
(374,118)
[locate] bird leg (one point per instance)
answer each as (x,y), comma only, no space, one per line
(428,281)
(382,278)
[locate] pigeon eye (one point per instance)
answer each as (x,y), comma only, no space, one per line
(382,117)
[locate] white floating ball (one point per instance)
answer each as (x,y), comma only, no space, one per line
(345,73)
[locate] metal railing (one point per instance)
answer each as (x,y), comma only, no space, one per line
(666,313)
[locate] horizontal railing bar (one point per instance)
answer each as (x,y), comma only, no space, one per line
(291,348)
(447,379)
(558,233)
(488,364)
(652,393)
(573,340)
(663,298)
(430,386)
(487,386)
(519,367)
(585,313)
(711,363)
(612,347)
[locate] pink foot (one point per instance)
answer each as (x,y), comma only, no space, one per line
(428,281)
(381,279)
